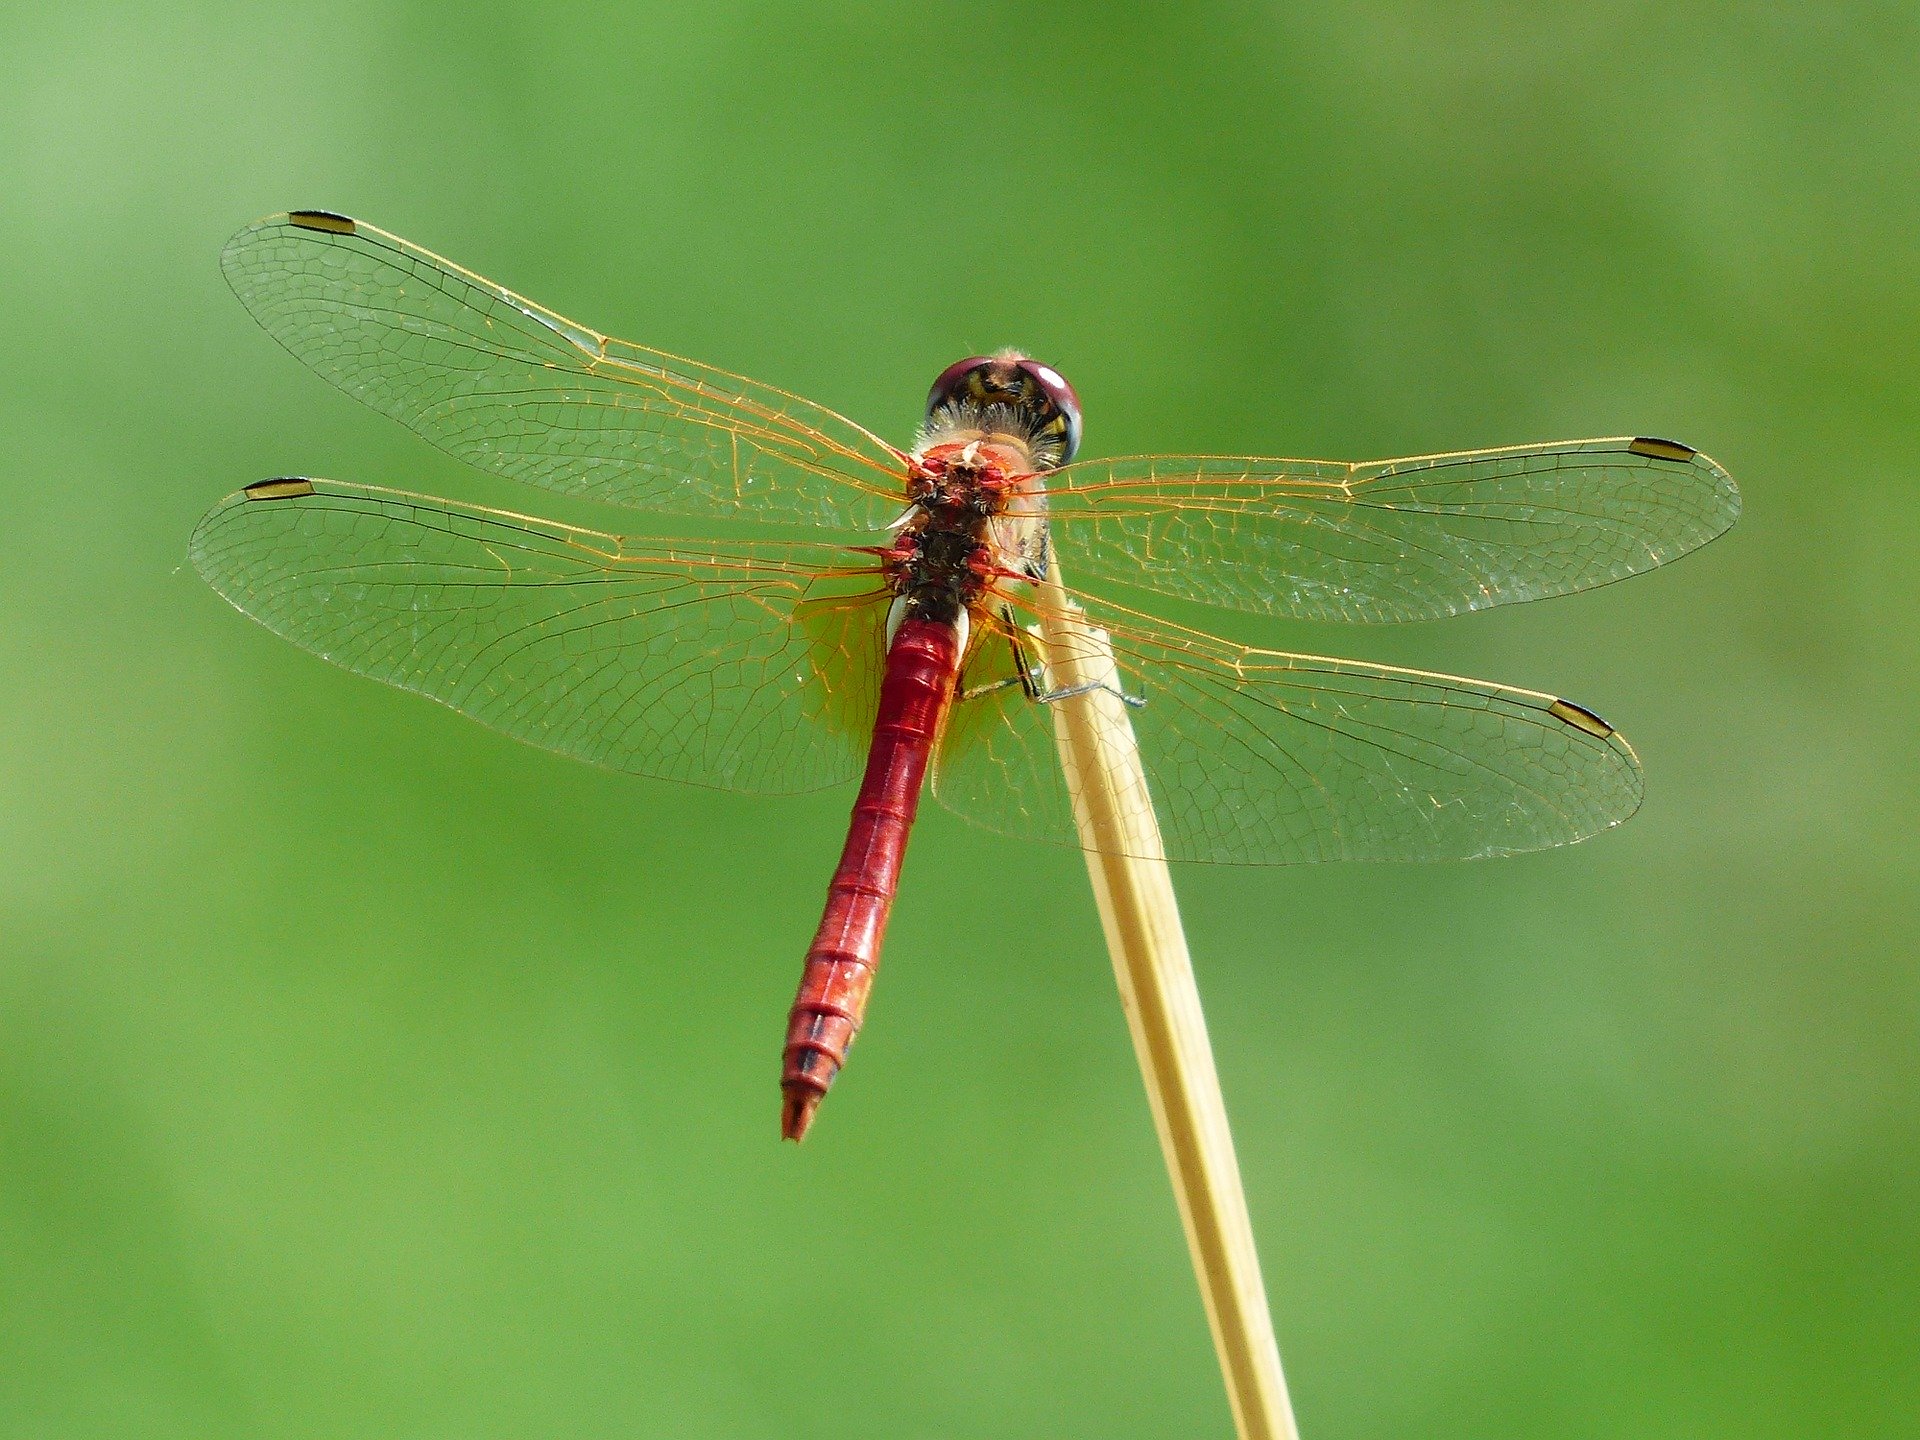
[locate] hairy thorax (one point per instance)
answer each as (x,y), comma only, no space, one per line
(977,522)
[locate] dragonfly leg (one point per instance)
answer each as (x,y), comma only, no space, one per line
(1022,669)
(1048,697)
(1029,674)
(977,691)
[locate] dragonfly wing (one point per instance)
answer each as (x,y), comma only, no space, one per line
(1258,757)
(516,389)
(747,667)
(1412,539)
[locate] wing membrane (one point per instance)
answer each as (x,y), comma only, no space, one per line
(1382,540)
(748,667)
(514,388)
(1261,757)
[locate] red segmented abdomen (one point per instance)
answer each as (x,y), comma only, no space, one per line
(922,664)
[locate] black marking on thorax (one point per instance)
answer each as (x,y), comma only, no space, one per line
(943,569)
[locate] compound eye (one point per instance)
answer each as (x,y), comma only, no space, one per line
(1049,410)
(952,383)
(1060,395)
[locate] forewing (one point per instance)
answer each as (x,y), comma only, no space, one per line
(516,389)
(1408,539)
(1259,757)
(748,667)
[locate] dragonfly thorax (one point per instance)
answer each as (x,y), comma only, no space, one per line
(974,522)
(940,573)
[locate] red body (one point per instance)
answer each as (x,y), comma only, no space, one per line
(922,665)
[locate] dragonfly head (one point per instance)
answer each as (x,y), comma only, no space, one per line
(1008,394)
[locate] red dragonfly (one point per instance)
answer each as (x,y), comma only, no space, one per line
(908,640)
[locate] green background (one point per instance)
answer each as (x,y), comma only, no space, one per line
(363,1073)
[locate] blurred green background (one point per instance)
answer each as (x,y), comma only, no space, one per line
(363,1073)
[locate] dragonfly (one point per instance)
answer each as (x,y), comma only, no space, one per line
(896,637)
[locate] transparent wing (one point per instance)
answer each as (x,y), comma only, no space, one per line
(748,667)
(1408,539)
(514,388)
(1257,757)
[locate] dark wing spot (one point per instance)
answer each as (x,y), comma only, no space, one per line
(278,489)
(321,220)
(1662,449)
(1579,718)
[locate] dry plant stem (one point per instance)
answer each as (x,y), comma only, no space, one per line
(1142,922)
